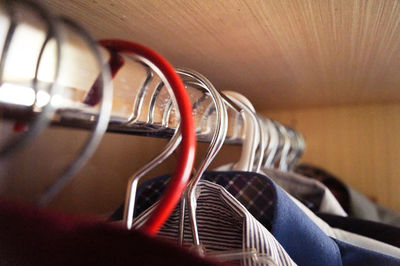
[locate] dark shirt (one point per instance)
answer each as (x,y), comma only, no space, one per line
(382,232)
(29,236)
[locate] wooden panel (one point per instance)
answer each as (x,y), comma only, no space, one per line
(280,53)
(360,144)
(99,188)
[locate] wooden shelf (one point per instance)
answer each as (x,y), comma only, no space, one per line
(281,53)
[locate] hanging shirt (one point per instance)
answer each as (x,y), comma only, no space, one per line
(337,187)
(346,236)
(302,239)
(224,224)
(315,195)
(312,193)
(364,208)
(379,231)
(355,203)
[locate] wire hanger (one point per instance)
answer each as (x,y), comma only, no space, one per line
(170,147)
(53,33)
(192,78)
(273,143)
(260,135)
(219,136)
(283,156)
(264,139)
(186,156)
(129,207)
(250,143)
(279,148)
(215,145)
(297,148)
(89,147)
(138,103)
(294,148)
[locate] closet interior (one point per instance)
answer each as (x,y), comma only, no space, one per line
(309,88)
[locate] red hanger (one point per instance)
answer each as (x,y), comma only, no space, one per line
(183,169)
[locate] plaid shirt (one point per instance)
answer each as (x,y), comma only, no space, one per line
(256,194)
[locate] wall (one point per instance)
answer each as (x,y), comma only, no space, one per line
(359,144)
(99,188)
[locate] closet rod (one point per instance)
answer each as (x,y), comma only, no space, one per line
(80,117)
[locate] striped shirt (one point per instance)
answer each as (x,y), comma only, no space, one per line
(224,224)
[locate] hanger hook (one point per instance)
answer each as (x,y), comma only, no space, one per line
(251,140)
(53,32)
(101,124)
(215,145)
(283,160)
(273,144)
(186,157)
(264,139)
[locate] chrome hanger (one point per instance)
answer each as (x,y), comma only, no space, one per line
(294,146)
(48,110)
(250,143)
(192,78)
(219,136)
(259,136)
(100,126)
(283,165)
(273,143)
(300,146)
(129,207)
(279,147)
(209,110)
(138,103)
(215,145)
(234,255)
(264,139)
(153,101)
(184,167)
(168,107)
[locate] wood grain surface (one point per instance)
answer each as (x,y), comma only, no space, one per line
(279,53)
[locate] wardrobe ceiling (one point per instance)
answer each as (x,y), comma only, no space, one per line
(280,53)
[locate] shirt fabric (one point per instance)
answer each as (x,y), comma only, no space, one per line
(312,193)
(379,231)
(355,203)
(348,237)
(302,239)
(364,208)
(224,224)
(303,188)
(366,242)
(336,186)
